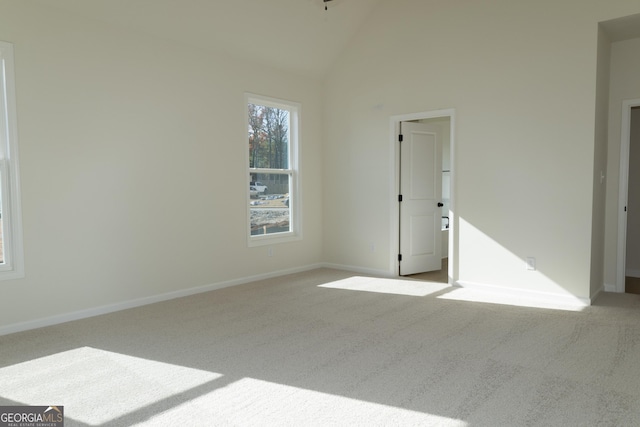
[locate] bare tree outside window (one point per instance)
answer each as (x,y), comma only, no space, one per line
(270,169)
(268,137)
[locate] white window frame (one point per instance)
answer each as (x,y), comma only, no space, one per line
(13,265)
(295,197)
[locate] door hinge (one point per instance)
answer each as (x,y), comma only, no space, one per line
(399,257)
(400,138)
(399,197)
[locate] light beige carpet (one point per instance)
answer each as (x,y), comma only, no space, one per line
(326,348)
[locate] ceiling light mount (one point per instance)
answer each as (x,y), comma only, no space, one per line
(325,3)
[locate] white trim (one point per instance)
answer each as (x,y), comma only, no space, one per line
(549,298)
(625,143)
(394,185)
(595,295)
(529,295)
(295,136)
(608,287)
(138,302)
(360,270)
(13,266)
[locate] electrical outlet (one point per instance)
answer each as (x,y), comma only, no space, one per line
(269,251)
(372,247)
(531,263)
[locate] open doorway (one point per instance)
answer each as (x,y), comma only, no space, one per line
(420,238)
(630,225)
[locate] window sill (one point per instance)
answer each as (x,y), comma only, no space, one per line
(272,239)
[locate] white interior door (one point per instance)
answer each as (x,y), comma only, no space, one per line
(421,192)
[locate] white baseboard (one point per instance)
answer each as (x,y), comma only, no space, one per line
(610,288)
(553,299)
(355,269)
(526,294)
(596,294)
(124,305)
(549,298)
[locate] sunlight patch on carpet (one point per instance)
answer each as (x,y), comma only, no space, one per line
(387,286)
(97,386)
(253,401)
(484,296)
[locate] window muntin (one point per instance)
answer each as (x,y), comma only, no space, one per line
(272,133)
(11,262)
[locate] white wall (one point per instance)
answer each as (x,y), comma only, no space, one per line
(603,68)
(522,78)
(133,165)
(625,69)
(132,150)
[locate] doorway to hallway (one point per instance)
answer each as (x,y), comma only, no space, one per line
(631,210)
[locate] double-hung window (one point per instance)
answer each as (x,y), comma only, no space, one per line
(273,196)
(11,253)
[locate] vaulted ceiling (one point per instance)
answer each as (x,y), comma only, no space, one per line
(294,35)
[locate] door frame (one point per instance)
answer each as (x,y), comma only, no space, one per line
(394,126)
(623,194)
